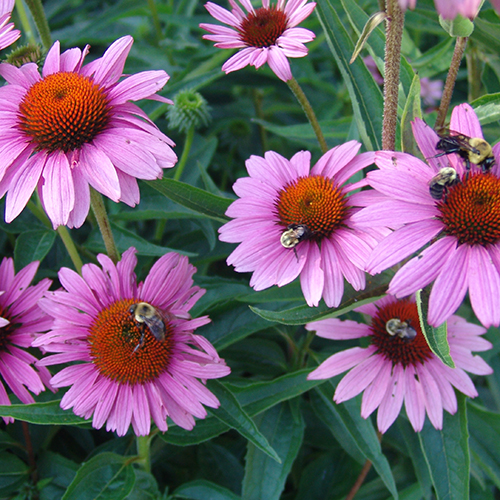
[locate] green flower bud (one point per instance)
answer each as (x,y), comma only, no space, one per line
(190,109)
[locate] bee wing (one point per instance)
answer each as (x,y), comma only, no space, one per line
(461,140)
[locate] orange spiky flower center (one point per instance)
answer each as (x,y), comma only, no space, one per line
(125,350)
(263,27)
(64,111)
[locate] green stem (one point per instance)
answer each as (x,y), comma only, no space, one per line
(97,204)
(36,9)
(25,23)
(257,102)
(450,81)
(144,452)
(306,106)
(185,153)
(63,233)
(394,35)
(156,20)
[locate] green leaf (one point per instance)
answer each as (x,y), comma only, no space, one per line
(194,198)
(447,454)
(373,21)
(49,413)
(232,414)
(105,476)
(125,239)
(365,94)
(13,473)
(460,26)
(375,288)
(356,434)
(254,398)
(412,110)
(487,108)
(204,490)
(265,478)
(437,338)
(484,428)
(33,245)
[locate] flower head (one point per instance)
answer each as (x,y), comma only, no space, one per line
(73,127)
(292,219)
(449,9)
(8,35)
(461,229)
(21,320)
(398,365)
(267,34)
(137,355)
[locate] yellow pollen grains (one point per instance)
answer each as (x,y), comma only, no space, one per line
(314,202)
(63,111)
(116,348)
(471,211)
(264,27)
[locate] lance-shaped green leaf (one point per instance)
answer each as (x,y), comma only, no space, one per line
(232,414)
(437,338)
(49,413)
(204,490)
(460,26)
(265,478)
(447,454)
(33,245)
(106,475)
(371,24)
(365,94)
(194,198)
(487,108)
(375,288)
(411,111)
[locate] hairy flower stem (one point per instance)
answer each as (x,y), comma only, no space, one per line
(306,106)
(185,153)
(26,27)
(97,204)
(63,233)
(36,9)
(394,34)
(450,81)
(143,444)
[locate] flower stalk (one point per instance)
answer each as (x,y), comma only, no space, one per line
(143,444)
(394,36)
(451,78)
(36,9)
(185,153)
(308,110)
(97,204)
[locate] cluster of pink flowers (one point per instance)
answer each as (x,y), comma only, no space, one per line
(134,357)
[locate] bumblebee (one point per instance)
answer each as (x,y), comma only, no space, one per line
(472,149)
(440,183)
(294,234)
(402,329)
(146,314)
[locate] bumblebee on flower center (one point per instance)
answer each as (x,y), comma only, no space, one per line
(126,350)
(471,210)
(64,111)
(397,334)
(310,208)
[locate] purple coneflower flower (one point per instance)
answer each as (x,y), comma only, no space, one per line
(267,34)
(398,365)
(292,219)
(21,320)
(449,9)
(132,365)
(462,229)
(8,35)
(73,127)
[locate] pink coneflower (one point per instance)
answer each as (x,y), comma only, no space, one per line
(20,321)
(267,34)
(73,127)
(292,219)
(462,229)
(398,365)
(133,366)
(8,35)
(449,9)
